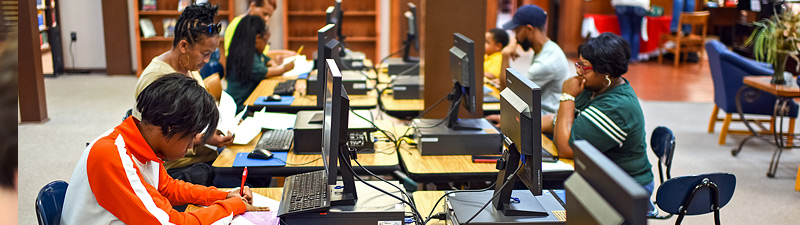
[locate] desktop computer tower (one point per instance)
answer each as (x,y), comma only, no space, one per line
(481,137)
(355,83)
(407,87)
(397,65)
(353,60)
(371,207)
(308,132)
(459,207)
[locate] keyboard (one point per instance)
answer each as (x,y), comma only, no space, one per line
(284,88)
(305,193)
(276,140)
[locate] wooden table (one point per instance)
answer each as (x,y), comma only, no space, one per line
(408,108)
(383,161)
(785,93)
(458,168)
(273,193)
(302,101)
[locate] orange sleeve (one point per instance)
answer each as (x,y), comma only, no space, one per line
(180,192)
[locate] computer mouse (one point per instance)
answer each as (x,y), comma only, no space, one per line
(274,98)
(260,154)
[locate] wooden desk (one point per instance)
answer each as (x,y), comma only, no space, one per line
(273,193)
(425,201)
(438,168)
(302,101)
(408,108)
(383,161)
(785,93)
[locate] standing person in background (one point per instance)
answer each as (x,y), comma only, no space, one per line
(496,40)
(247,66)
(263,9)
(630,14)
(678,7)
(196,37)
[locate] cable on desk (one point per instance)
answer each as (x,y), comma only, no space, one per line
(409,69)
(450,192)
(433,106)
(495,194)
(299,164)
(414,204)
(416,212)
(392,138)
(458,102)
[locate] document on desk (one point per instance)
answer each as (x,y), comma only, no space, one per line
(275,121)
(246,131)
(228,119)
(301,65)
(556,166)
(258,218)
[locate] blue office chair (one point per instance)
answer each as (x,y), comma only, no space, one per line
(662,141)
(727,72)
(211,68)
(50,201)
(696,194)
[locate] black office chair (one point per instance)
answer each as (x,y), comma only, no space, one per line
(662,141)
(50,202)
(696,194)
(127,114)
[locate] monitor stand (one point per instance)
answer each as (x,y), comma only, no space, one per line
(463,205)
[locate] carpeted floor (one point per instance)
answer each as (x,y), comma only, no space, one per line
(81,107)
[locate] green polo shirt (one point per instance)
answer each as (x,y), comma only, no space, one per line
(613,123)
(241,89)
(229,34)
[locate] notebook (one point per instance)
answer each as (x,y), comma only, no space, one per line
(278,159)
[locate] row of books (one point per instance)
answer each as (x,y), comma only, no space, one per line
(148,30)
(150,5)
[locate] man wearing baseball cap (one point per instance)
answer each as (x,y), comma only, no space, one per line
(549,67)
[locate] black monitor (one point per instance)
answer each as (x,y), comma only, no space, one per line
(462,71)
(411,35)
(520,116)
(327,48)
(335,152)
(335,15)
(599,192)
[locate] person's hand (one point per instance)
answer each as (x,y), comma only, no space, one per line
(248,195)
(573,85)
(250,207)
(510,51)
(288,67)
(278,59)
(218,140)
(495,119)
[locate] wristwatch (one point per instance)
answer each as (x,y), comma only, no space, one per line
(566,97)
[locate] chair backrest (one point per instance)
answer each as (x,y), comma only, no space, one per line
(695,19)
(212,68)
(662,141)
(50,201)
(213,85)
(674,193)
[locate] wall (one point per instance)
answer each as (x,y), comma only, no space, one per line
(86,18)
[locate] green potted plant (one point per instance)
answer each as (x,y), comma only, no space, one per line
(776,39)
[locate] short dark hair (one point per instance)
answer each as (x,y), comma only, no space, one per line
(608,53)
(178,104)
(500,36)
(193,23)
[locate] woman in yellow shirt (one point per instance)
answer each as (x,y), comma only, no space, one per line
(496,40)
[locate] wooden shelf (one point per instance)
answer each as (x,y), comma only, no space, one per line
(348,39)
(318,13)
(173,13)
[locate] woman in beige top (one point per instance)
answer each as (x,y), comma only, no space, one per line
(196,37)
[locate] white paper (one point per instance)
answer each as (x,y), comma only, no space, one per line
(556,166)
(275,121)
(260,217)
(301,66)
(289,59)
(228,120)
(247,130)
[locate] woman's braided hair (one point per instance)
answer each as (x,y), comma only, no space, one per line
(193,23)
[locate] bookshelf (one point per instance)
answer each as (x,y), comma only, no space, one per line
(360,25)
(46,19)
(148,48)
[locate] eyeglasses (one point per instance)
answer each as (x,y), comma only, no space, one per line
(211,29)
(581,68)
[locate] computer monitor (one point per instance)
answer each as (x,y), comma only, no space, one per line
(462,71)
(327,48)
(520,116)
(335,15)
(335,152)
(599,192)
(411,35)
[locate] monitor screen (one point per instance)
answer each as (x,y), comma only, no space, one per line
(599,192)
(335,121)
(462,70)
(327,48)
(520,116)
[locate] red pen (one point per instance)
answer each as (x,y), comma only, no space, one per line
(244,177)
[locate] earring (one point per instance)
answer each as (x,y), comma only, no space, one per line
(187,61)
(609,81)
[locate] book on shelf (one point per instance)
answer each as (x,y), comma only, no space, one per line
(149,5)
(42,26)
(182,4)
(147,28)
(169,26)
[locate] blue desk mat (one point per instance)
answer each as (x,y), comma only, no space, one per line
(285,100)
(241,160)
(302,76)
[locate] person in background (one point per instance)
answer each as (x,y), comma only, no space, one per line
(549,67)
(121,178)
(496,40)
(263,9)
(196,37)
(247,66)
(630,14)
(600,106)
(678,7)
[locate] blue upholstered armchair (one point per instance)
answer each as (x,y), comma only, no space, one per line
(727,71)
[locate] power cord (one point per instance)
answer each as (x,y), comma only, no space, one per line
(506,182)
(409,69)
(299,164)
(451,192)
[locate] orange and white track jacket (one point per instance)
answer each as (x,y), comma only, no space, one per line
(119,179)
